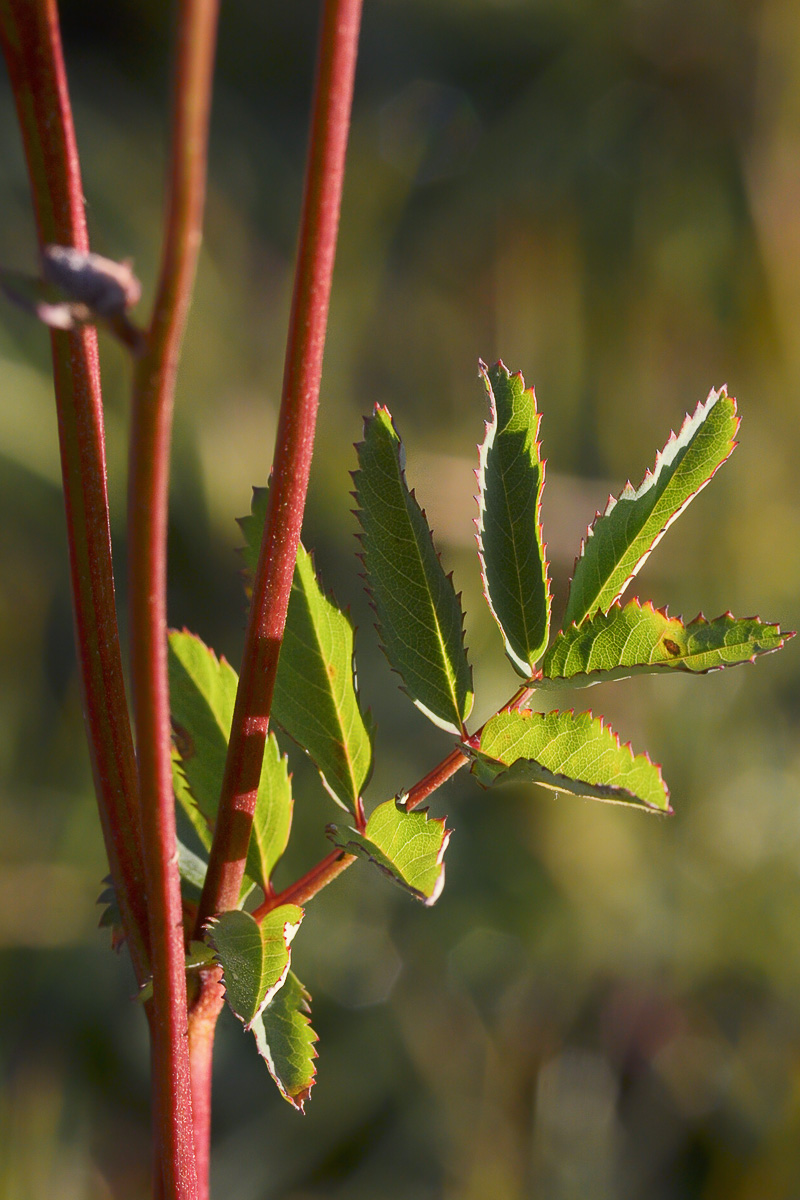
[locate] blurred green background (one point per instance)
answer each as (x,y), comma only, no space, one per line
(606,193)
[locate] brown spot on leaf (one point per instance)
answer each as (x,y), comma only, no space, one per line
(184,742)
(672,647)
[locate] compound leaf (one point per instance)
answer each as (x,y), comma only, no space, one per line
(407,846)
(254,958)
(316,699)
(568,752)
(638,639)
(619,541)
(285,1040)
(510,542)
(419,614)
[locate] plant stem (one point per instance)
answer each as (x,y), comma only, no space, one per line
(153,394)
(203,1014)
(338,43)
(305,888)
(32,46)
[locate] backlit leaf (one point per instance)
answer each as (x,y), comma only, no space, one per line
(638,639)
(272,819)
(316,700)
(568,752)
(510,542)
(202,698)
(620,540)
(254,958)
(285,1040)
(407,846)
(419,614)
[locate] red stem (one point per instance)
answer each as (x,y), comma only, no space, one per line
(32,46)
(153,395)
(332,865)
(338,44)
(305,888)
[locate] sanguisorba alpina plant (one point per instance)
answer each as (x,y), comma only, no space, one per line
(196,810)
(420,620)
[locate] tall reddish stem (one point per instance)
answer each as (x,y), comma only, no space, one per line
(153,394)
(31,41)
(338,44)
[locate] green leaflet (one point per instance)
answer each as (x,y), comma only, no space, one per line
(419,613)
(254,958)
(272,819)
(640,639)
(510,542)
(202,696)
(285,1040)
(568,752)
(619,541)
(315,698)
(407,846)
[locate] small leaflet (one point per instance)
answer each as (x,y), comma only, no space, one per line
(419,614)
(638,639)
(286,1041)
(202,698)
(254,958)
(407,846)
(619,541)
(568,752)
(510,541)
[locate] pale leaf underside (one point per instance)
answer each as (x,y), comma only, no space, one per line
(285,1040)
(510,540)
(621,538)
(568,752)
(419,614)
(638,639)
(407,846)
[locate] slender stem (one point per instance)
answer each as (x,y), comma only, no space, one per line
(32,46)
(203,1014)
(338,43)
(153,394)
(305,888)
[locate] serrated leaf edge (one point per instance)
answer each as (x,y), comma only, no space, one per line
(361,851)
(440,722)
(664,458)
(612,674)
(490,431)
(298,1100)
(289,930)
(472,751)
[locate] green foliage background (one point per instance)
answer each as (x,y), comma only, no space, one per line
(605,195)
